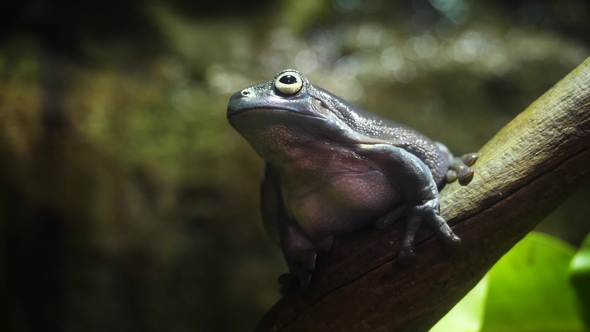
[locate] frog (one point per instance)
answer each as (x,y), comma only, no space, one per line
(332,168)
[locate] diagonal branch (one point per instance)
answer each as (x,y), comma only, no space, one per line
(523,173)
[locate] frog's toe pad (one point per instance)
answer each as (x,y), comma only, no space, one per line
(451,176)
(469,159)
(461,172)
(465,175)
(451,244)
(459,169)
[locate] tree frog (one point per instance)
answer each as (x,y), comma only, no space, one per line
(333,168)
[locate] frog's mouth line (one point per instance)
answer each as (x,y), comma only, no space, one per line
(258,109)
(341,139)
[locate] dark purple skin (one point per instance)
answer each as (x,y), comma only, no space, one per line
(332,168)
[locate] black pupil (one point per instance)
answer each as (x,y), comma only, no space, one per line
(288,79)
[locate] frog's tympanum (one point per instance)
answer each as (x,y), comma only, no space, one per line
(332,168)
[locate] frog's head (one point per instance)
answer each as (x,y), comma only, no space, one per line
(288,112)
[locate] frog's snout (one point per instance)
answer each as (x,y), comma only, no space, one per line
(237,102)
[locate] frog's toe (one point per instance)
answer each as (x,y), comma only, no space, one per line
(301,273)
(459,169)
(469,159)
(451,176)
(451,244)
(301,264)
(305,258)
(301,260)
(465,175)
(298,275)
(301,256)
(449,241)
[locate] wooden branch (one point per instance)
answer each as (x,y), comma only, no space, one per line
(523,173)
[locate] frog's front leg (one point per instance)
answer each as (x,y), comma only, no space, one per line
(300,253)
(414,180)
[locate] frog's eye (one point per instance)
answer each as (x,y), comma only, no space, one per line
(289,83)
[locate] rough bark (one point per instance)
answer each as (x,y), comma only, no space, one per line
(523,173)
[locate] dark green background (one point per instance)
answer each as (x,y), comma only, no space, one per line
(127,203)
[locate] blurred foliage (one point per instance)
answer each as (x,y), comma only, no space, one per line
(527,290)
(129,204)
(580,279)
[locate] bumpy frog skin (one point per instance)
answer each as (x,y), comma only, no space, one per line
(332,168)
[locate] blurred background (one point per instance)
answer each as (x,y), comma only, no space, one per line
(127,203)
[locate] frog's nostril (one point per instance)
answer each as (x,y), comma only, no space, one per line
(245,92)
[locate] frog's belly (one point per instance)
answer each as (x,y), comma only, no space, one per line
(344,204)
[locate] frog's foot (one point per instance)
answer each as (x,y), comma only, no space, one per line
(301,264)
(428,212)
(459,168)
(301,257)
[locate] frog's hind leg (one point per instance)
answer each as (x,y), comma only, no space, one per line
(458,166)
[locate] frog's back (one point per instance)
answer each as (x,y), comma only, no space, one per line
(396,134)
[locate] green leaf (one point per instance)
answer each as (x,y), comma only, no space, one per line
(529,288)
(580,279)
